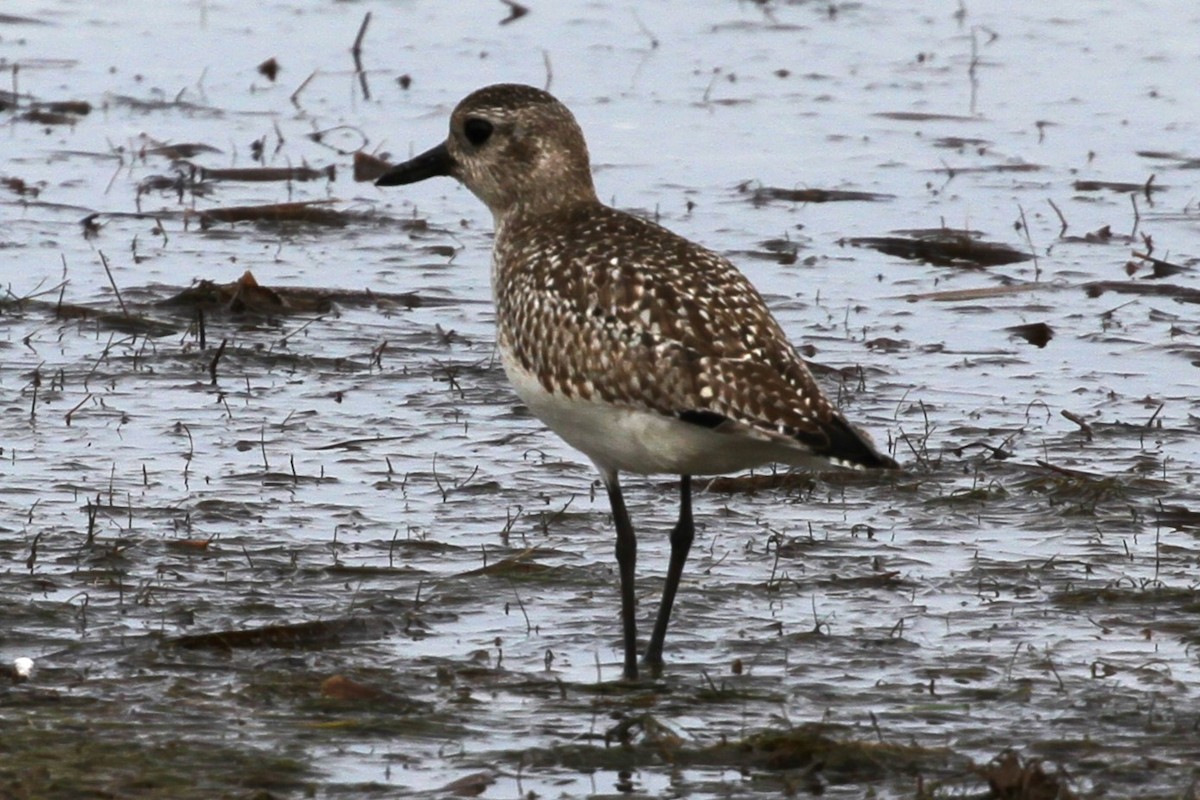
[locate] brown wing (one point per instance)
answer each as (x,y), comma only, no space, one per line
(666,326)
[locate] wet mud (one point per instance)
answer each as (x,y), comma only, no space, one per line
(272,524)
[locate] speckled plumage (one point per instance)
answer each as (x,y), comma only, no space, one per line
(643,350)
(605,307)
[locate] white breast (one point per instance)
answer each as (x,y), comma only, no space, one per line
(646,442)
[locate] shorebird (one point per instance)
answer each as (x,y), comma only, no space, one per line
(641,349)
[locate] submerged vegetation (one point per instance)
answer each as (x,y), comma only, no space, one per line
(273,525)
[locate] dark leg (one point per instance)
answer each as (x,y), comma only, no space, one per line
(626,561)
(681,543)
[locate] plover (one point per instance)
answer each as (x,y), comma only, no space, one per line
(641,349)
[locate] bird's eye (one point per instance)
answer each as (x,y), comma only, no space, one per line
(477,130)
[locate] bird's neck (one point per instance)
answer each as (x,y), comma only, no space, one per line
(543,210)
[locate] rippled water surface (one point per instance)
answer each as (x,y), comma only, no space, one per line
(293,535)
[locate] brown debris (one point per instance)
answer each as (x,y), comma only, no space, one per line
(1178,518)
(1159,267)
(339,687)
(313,212)
(179,151)
(79,108)
(269,69)
(888,580)
(250,295)
(14,19)
(59,112)
(1010,778)
(962,143)
(515,11)
(809,747)
(247,296)
(520,564)
(765,194)
(1102,235)
(943,247)
(368,167)
(1183,294)
(43,117)
(295,636)
(980,293)
(1181,161)
(751,484)
(884,344)
(789,481)
(1038,334)
(19,186)
(1067,471)
(1083,424)
(345,691)
(264,174)
(190,545)
(919,116)
(1016,166)
(1118,186)
(120,322)
(469,785)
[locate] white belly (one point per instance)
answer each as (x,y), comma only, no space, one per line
(631,440)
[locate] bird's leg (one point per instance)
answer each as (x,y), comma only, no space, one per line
(626,561)
(681,543)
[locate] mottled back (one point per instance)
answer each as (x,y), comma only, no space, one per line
(600,305)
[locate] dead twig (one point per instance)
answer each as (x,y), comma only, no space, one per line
(78,406)
(37,384)
(262,444)
(1154,416)
(283,339)
(356,51)
(437,482)
(973,69)
(295,98)
(1080,421)
(1066,471)
(1063,231)
(212,367)
(646,31)
(521,605)
(1037,270)
(113,283)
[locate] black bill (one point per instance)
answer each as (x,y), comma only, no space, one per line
(430,164)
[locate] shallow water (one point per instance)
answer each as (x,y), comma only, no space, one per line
(1024,585)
